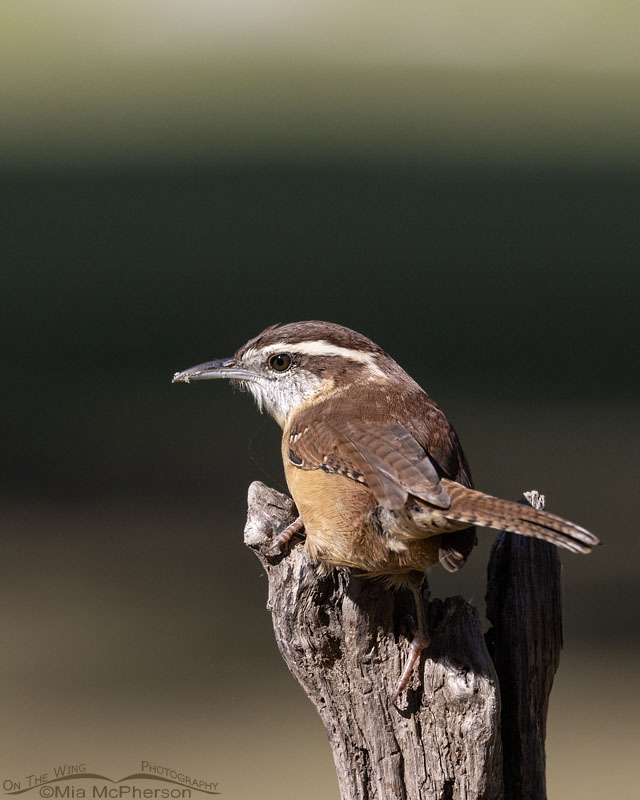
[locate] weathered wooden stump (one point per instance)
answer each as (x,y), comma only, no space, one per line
(450,736)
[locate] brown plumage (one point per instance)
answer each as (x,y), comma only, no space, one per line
(382,528)
(375,467)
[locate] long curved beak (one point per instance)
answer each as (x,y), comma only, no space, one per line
(220,368)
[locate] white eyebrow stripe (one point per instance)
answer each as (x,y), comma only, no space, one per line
(323,348)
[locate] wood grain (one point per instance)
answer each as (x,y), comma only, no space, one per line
(345,639)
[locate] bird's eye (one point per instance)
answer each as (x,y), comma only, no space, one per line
(280,362)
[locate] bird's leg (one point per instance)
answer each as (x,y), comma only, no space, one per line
(279,541)
(420,639)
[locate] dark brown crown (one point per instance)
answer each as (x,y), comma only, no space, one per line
(312,331)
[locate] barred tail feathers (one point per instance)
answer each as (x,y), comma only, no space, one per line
(477,508)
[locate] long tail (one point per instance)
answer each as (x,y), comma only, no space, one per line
(477,508)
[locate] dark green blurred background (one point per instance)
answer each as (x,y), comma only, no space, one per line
(172,183)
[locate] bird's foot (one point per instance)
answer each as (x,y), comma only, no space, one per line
(419,643)
(420,639)
(279,543)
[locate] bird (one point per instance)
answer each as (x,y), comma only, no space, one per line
(375,467)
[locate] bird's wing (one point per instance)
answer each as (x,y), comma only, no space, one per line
(386,458)
(434,431)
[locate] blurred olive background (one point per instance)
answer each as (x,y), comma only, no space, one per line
(459,182)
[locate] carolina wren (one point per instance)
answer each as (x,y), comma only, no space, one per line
(374,466)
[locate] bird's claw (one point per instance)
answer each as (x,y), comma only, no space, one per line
(278,545)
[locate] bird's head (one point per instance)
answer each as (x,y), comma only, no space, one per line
(287,367)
